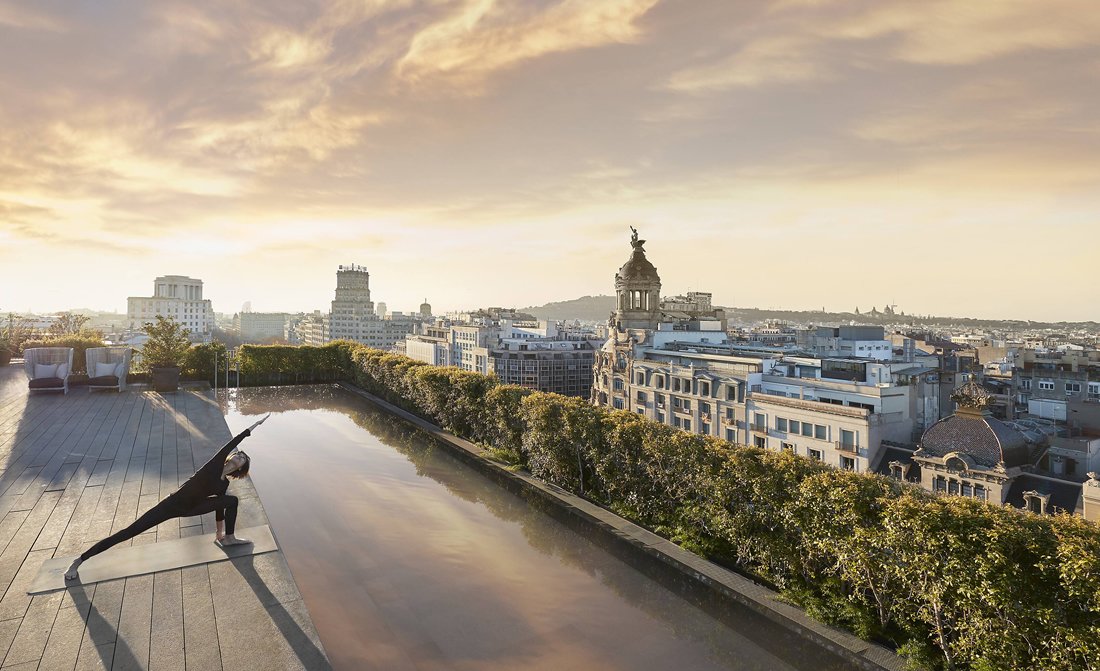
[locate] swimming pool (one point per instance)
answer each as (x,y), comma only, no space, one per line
(408,558)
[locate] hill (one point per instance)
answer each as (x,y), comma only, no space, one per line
(586,308)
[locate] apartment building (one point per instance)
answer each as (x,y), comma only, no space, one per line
(175,297)
(1059,385)
(260,327)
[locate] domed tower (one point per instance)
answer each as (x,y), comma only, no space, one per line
(637,290)
(425,309)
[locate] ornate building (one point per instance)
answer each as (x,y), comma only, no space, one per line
(672,361)
(973,454)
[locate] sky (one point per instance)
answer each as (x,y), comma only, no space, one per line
(942,156)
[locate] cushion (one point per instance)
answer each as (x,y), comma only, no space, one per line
(47,383)
(62,370)
(120,368)
(103,369)
(103,381)
(45,370)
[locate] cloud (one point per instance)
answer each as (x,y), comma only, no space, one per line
(485,36)
(765,61)
(945,32)
(25,16)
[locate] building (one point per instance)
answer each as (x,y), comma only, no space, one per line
(550,365)
(1023,464)
(1062,386)
(352,316)
(679,368)
(176,297)
(260,327)
(515,347)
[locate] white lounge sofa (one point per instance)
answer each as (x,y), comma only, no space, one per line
(108,367)
(48,368)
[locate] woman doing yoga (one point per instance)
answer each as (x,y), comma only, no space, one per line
(203,492)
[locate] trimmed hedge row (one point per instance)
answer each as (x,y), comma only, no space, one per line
(79,343)
(953,583)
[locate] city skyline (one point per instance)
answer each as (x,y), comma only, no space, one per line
(794,155)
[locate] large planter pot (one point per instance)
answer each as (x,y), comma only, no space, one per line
(165,379)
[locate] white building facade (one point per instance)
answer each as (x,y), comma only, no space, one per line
(177,297)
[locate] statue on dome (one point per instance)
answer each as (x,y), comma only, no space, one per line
(634,241)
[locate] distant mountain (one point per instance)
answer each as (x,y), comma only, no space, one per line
(586,308)
(597,308)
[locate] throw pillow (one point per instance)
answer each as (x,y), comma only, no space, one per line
(62,370)
(45,370)
(104,369)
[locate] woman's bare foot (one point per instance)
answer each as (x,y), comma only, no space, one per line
(72,573)
(230,539)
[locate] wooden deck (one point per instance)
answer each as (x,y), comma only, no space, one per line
(77,467)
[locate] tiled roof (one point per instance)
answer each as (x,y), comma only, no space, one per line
(988,441)
(1064,496)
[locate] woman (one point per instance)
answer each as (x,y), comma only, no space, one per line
(203,492)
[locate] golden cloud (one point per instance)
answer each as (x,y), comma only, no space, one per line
(485,36)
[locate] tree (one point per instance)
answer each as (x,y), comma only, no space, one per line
(68,323)
(167,345)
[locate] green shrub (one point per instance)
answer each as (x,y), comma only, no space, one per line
(79,343)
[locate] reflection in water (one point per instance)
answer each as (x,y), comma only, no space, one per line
(409,558)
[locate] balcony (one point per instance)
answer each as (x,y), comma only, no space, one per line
(759,428)
(849,448)
(729,421)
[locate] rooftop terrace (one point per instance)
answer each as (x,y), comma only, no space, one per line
(77,467)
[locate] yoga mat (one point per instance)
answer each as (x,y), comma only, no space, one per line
(123,562)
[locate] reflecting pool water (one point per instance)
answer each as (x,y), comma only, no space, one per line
(410,559)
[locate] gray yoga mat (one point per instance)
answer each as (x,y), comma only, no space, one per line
(123,562)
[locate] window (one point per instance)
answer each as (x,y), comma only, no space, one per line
(730,435)
(821,432)
(676,421)
(687,424)
(687,405)
(1046,385)
(788,447)
(759,422)
(676,401)
(661,417)
(760,441)
(1094,391)
(618,384)
(814,454)
(952,486)
(660,382)
(675,384)
(1073,387)
(848,463)
(704,388)
(847,439)
(1025,384)
(781,424)
(895,471)
(641,397)
(731,393)
(640,378)
(795,426)
(807,429)
(939,483)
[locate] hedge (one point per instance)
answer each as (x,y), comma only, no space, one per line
(79,343)
(951,582)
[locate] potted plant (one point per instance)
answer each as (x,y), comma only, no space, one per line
(163,353)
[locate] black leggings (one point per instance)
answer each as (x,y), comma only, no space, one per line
(224,507)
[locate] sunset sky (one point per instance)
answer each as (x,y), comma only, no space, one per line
(940,155)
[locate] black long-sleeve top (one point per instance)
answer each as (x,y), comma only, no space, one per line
(207,481)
